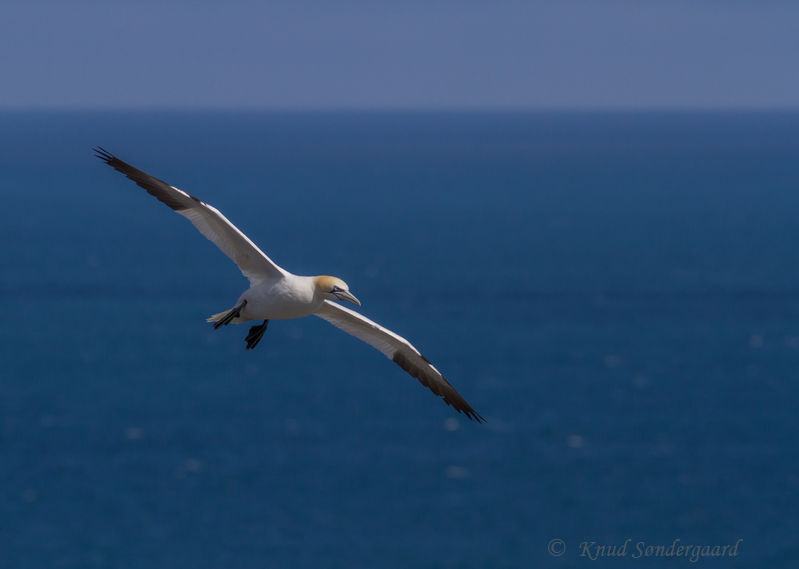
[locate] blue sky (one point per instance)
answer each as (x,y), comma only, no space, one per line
(411,54)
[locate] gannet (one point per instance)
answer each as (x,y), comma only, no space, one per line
(277,294)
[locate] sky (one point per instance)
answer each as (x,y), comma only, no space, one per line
(410,54)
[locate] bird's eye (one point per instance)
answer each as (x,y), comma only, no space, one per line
(336,289)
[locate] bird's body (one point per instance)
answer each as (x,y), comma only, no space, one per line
(277,294)
(280,298)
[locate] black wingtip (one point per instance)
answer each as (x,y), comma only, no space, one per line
(474,416)
(103,154)
(465,409)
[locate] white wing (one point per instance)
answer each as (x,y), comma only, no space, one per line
(397,349)
(254,264)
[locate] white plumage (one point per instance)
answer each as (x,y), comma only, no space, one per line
(276,294)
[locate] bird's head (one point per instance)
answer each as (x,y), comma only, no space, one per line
(333,288)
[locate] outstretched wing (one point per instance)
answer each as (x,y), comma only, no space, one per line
(252,262)
(399,350)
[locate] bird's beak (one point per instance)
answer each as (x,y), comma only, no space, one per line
(347,295)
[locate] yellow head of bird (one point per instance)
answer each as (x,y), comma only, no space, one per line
(333,288)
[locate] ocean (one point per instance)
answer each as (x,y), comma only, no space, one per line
(616,293)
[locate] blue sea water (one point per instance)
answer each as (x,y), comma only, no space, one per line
(617,294)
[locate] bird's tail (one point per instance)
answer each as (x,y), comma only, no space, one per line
(217,317)
(225,318)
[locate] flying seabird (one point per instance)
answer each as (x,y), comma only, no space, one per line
(277,294)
